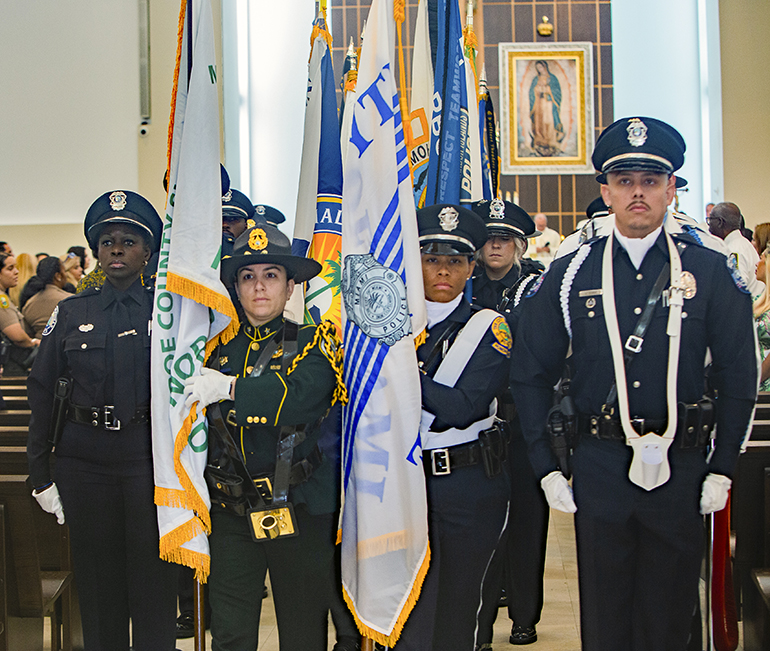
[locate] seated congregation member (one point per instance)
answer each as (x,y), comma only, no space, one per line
(271,385)
(18,348)
(42,293)
(464,364)
(98,343)
(500,280)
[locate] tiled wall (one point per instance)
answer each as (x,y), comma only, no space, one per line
(563,198)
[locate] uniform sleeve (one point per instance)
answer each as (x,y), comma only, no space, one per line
(300,396)
(48,367)
(540,347)
(482,379)
(8,316)
(734,369)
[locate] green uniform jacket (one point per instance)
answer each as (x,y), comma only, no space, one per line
(263,404)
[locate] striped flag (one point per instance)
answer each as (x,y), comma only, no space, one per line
(192,308)
(385,552)
(318,226)
(420,109)
(475,180)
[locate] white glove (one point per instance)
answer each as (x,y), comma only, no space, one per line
(558,492)
(713,496)
(210,386)
(50,502)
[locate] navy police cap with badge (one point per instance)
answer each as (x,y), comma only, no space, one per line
(123,207)
(236,205)
(642,144)
(264,214)
(505,218)
(265,244)
(445,229)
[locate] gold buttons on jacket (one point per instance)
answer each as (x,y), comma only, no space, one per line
(263,420)
(249,369)
(249,419)
(255,346)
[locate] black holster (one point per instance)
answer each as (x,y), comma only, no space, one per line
(493,444)
(562,425)
(696,422)
(61,402)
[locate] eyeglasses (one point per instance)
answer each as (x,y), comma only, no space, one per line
(713,220)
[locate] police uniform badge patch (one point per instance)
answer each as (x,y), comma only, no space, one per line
(688,284)
(51,322)
(257,239)
(536,285)
(738,279)
(503,340)
(4,301)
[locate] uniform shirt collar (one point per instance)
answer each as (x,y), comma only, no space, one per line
(110,294)
(637,247)
(437,312)
(263,331)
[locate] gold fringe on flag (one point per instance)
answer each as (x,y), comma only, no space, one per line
(175,87)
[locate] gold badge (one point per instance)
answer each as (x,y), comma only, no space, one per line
(223,360)
(118,200)
(250,223)
(278,353)
(688,284)
(257,239)
(637,132)
(86,327)
(4,301)
(502,334)
(448,219)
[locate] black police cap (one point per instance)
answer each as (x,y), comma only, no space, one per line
(644,144)
(265,214)
(123,207)
(265,244)
(505,218)
(236,205)
(445,229)
(597,208)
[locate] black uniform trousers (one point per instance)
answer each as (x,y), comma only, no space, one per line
(114,536)
(519,560)
(466,517)
(639,552)
(300,580)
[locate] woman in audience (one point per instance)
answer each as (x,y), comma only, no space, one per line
(761,239)
(73,272)
(97,346)
(762,316)
(42,293)
(82,254)
(26,267)
(17,348)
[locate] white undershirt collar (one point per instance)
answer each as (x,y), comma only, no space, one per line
(437,312)
(637,247)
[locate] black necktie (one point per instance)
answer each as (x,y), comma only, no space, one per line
(124,363)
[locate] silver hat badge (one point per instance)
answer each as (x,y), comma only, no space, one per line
(497,209)
(118,200)
(448,219)
(637,132)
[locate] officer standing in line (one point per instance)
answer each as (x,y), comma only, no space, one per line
(499,281)
(97,347)
(463,449)
(272,491)
(640,306)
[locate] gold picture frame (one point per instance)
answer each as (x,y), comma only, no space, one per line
(546,108)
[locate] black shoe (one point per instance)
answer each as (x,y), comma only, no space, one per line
(523,635)
(185,626)
(347,643)
(503,601)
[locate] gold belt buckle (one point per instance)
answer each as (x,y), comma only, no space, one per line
(270,522)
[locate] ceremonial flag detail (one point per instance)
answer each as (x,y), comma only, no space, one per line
(421,107)
(472,180)
(318,225)
(490,162)
(192,309)
(449,168)
(384,535)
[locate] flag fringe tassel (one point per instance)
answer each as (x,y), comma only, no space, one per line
(171,549)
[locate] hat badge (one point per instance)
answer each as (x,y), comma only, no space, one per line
(227,196)
(257,239)
(497,209)
(637,132)
(260,210)
(448,219)
(117,200)
(250,223)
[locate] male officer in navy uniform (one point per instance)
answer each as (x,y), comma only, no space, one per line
(641,477)
(463,450)
(499,281)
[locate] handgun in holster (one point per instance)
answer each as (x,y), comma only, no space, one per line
(562,419)
(494,449)
(61,401)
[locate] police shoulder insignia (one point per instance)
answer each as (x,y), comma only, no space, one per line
(503,340)
(4,301)
(51,322)
(536,285)
(738,279)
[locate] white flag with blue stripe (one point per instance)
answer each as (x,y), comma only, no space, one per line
(385,550)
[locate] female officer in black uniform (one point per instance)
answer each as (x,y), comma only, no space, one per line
(272,378)
(98,344)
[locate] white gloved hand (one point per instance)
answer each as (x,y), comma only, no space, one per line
(50,502)
(714,492)
(558,492)
(210,386)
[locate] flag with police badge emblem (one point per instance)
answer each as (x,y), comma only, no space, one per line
(385,551)
(192,308)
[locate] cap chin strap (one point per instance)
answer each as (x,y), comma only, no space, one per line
(649,466)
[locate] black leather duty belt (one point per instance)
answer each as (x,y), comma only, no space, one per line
(105,416)
(603,428)
(300,472)
(442,461)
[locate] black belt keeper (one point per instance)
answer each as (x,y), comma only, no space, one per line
(104,417)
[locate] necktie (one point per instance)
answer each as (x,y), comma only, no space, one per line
(124,362)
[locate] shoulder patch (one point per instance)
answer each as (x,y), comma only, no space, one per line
(4,301)
(503,340)
(51,322)
(738,279)
(536,285)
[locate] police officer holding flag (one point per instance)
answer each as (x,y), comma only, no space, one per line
(640,306)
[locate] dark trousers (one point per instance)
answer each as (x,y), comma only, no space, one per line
(519,560)
(300,577)
(639,552)
(466,512)
(119,575)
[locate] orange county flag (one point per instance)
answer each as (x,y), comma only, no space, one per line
(385,552)
(192,308)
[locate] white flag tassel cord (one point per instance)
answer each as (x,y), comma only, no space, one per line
(192,309)
(649,466)
(384,533)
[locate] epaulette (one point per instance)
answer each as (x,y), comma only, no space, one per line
(689,235)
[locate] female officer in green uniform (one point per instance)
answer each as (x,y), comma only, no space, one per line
(275,381)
